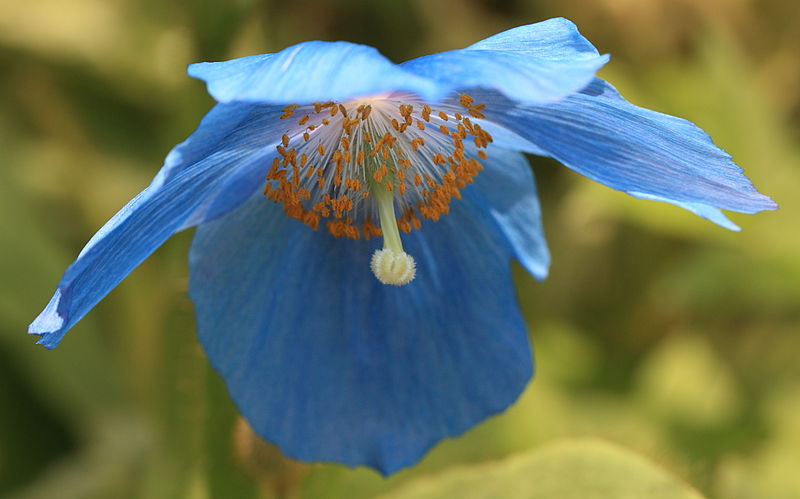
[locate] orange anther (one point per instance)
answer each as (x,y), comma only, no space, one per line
(403,225)
(476,111)
(426,112)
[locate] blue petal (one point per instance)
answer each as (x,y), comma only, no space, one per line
(701,210)
(553,39)
(204,177)
(309,72)
(506,190)
(504,138)
(644,153)
(533,64)
(331,365)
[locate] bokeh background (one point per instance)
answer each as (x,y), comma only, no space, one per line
(672,338)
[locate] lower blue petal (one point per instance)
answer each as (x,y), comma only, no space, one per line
(644,153)
(331,365)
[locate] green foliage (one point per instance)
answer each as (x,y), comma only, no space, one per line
(579,469)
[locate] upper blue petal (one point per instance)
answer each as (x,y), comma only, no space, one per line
(203,177)
(309,72)
(553,39)
(533,64)
(331,365)
(644,153)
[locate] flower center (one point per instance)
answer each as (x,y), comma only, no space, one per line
(351,164)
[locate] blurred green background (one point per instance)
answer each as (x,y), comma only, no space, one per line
(656,331)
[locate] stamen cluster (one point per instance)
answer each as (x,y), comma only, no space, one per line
(335,157)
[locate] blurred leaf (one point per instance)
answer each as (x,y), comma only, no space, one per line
(226,480)
(85,28)
(579,469)
(770,471)
(214,25)
(686,380)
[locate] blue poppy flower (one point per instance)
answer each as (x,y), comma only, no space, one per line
(339,338)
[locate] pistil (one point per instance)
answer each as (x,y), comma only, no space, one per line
(391,265)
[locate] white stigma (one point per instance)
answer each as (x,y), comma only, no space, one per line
(393,268)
